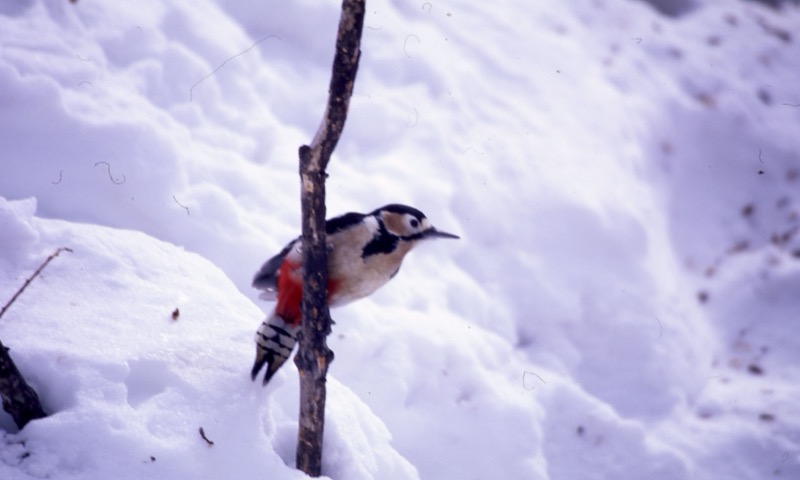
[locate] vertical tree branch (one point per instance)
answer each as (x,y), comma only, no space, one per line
(313,354)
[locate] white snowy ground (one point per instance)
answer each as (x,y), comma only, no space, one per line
(624,302)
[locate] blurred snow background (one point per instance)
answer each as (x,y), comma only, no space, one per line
(623,303)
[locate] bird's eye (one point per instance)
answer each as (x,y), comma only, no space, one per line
(414,223)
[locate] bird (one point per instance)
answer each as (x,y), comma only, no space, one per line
(365,251)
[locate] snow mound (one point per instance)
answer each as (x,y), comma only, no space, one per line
(134,345)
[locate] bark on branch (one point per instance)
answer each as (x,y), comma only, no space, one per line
(313,355)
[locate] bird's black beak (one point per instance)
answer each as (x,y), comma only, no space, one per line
(433,233)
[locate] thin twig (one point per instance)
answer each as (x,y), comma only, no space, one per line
(19,399)
(181,205)
(30,279)
(191,89)
(525,376)
(203,435)
(108,165)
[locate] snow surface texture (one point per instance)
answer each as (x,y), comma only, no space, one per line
(623,303)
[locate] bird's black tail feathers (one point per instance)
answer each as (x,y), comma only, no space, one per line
(275,340)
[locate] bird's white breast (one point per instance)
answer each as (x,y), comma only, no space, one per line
(354,276)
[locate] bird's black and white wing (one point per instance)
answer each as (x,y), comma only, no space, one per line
(266,279)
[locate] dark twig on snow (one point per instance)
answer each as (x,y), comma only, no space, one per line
(205,438)
(19,399)
(30,279)
(108,165)
(262,39)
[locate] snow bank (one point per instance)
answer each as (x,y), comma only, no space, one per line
(129,385)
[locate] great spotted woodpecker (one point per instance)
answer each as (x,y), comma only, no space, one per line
(364,252)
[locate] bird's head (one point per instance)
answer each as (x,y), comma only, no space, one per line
(408,223)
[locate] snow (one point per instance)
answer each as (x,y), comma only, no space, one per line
(622,303)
